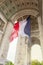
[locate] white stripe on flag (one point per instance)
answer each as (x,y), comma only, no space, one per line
(21,27)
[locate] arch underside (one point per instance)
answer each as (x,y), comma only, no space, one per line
(11,7)
(24,12)
(35,40)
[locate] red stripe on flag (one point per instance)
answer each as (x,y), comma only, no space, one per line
(16,26)
(15,30)
(13,36)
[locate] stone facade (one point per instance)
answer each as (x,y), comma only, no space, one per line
(13,10)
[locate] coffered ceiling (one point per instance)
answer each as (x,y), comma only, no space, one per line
(10,7)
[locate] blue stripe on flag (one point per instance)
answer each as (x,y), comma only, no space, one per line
(27,27)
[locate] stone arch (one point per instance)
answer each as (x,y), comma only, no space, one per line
(11,26)
(35,50)
(35,40)
(24,13)
(20,13)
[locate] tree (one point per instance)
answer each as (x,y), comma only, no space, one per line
(35,62)
(9,63)
(42,63)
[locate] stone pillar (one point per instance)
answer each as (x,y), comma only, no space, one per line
(5,42)
(29,56)
(40,34)
(42,11)
(22,53)
(2,26)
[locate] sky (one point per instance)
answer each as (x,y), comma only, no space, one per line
(35,51)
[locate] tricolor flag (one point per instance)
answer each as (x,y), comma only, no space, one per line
(21,28)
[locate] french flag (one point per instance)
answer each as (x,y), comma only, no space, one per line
(21,28)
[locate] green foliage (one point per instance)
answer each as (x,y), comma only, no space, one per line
(35,62)
(9,63)
(41,63)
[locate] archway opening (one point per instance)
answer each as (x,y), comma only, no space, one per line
(36,53)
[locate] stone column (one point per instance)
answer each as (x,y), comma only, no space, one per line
(5,42)
(22,53)
(29,56)
(40,34)
(42,11)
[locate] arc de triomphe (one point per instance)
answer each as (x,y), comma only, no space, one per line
(12,10)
